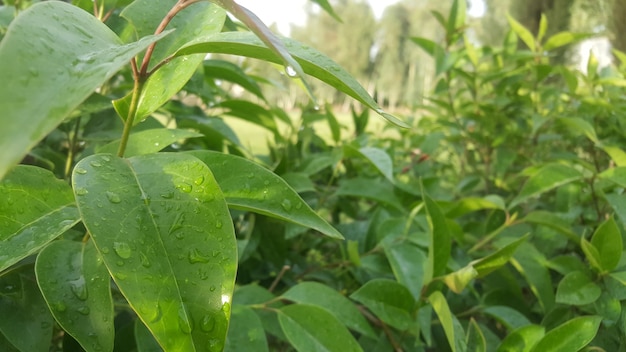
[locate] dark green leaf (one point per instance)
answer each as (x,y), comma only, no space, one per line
(546,178)
(608,241)
(570,336)
(531,264)
(475,339)
(576,288)
(75,284)
(66,47)
(246,331)
(375,156)
(322,296)
(507,316)
(370,189)
(249,186)
(36,207)
(522,339)
(389,301)
(164,231)
(440,242)
(228,71)
(144,339)
(149,141)
(408,264)
(310,328)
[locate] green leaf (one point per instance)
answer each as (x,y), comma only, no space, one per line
(316,294)
(310,328)
(522,339)
(572,335)
(553,221)
(507,316)
(381,192)
(144,339)
(66,47)
(524,34)
(532,265)
(563,38)
(164,231)
(546,178)
(591,253)
(26,321)
(617,175)
(375,156)
(251,187)
(202,18)
(497,259)
(408,265)
(471,204)
(440,306)
(246,331)
(475,338)
(35,208)
(616,154)
(313,63)
(75,284)
(389,301)
(328,8)
(149,141)
(440,242)
(543,27)
(228,71)
(580,126)
(456,20)
(458,280)
(576,288)
(608,241)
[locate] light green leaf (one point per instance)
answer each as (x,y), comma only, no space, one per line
(408,265)
(35,208)
(375,156)
(616,154)
(616,175)
(26,321)
(543,27)
(389,301)
(522,339)
(608,241)
(201,18)
(563,38)
(546,178)
(246,331)
(576,288)
(580,126)
(471,204)
(440,242)
(570,336)
(313,63)
(149,141)
(310,328)
(441,308)
(313,293)
(75,284)
(252,187)
(524,34)
(591,253)
(328,8)
(509,317)
(475,338)
(65,47)
(497,259)
(165,233)
(456,20)
(458,280)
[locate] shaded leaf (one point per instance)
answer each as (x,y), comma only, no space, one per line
(546,178)
(576,288)
(522,339)
(246,331)
(608,241)
(440,242)
(228,71)
(508,316)
(375,156)
(408,263)
(370,189)
(149,141)
(390,301)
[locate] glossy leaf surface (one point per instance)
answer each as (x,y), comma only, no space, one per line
(52,44)
(608,241)
(570,336)
(251,187)
(164,231)
(576,288)
(75,284)
(35,208)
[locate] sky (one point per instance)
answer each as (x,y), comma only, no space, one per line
(284,12)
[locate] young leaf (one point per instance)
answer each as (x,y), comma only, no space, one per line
(608,241)
(572,335)
(440,243)
(440,306)
(148,141)
(497,259)
(322,296)
(523,33)
(75,284)
(26,321)
(389,301)
(36,207)
(66,47)
(252,187)
(591,253)
(522,339)
(313,63)
(246,332)
(548,177)
(164,231)
(310,328)
(577,289)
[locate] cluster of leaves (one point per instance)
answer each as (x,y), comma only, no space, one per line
(495,224)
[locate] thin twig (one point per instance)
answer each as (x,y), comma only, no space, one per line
(279,277)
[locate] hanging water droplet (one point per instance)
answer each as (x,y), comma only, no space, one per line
(113,197)
(79,289)
(185,187)
(80,170)
(80,191)
(207,324)
(122,249)
(144,260)
(290,71)
(286,204)
(83,310)
(199,180)
(95,163)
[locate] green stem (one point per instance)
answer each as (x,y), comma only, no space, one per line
(132,111)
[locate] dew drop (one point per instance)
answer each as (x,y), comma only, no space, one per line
(185,187)
(183,323)
(144,260)
(80,170)
(290,71)
(122,249)
(196,257)
(168,195)
(286,204)
(83,310)
(95,163)
(80,191)
(207,324)
(198,181)
(113,197)
(79,289)
(219,224)
(212,288)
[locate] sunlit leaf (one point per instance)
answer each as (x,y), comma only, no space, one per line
(570,336)
(149,141)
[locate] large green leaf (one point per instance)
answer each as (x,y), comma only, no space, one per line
(250,186)
(546,178)
(149,141)
(507,316)
(164,231)
(408,263)
(532,265)
(320,295)
(447,320)
(389,301)
(570,336)
(608,241)
(379,191)
(53,56)
(75,284)
(440,242)
(497,259)
(522,339)
(26,321)
(199,19)
(310,328)
(35,208)
(312,61)
(576,288)
(228,71)
(246,331)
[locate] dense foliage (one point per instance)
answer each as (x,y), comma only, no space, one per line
(134,218)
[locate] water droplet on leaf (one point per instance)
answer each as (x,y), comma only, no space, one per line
(198,181)
(113,197)
(290,71)
(83,310)
(80,191)
(185,187)
(286,204)
(207,324)
(122,249)
(196,257)
(80,170)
